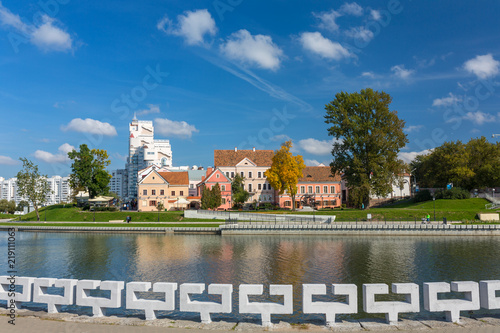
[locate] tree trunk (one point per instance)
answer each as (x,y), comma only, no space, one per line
(36,211)
(293,202)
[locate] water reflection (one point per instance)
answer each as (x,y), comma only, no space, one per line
(265,259)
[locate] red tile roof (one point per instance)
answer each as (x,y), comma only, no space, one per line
(318,174)
(231,157)
(176,178)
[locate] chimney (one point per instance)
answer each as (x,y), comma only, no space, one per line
(253,148)
(202,178)
(235,148)
(209,171)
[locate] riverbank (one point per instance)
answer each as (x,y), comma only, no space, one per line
(353,229)
(42,322)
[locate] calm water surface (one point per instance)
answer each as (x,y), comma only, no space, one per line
(259,259)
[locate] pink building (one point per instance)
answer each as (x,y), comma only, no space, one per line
(214,176)
(316,188)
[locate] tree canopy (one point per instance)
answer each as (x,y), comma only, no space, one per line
(475,164)
(211,198)
(32,185)
(285,171)
(238,192)
(89,170)
(368,137)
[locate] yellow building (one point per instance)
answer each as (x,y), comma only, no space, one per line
(169,188)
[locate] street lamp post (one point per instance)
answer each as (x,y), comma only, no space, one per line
(45,210)
(434,200)
(94,211)
(415,185)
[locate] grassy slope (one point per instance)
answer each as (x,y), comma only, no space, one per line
(73,214)
(6,216)
(120,225)
(453,210)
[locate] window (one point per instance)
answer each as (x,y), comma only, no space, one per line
(227,173)
(217,176)
(153,192)
(332,189)
(259,186)
(223,200)
(309,189)
(242,174)
(144,192)
(249,174)
(288,203)
(144,203)
(173,193)
(152,203)
(325,189)
(259,174)
(302,189)
(317,189)
(232,174)
(162,192)
(223,188)
(249,187)
(191,186)
(182,193)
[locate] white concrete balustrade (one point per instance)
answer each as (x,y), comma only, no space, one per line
(266,309)
(330,309)
(391,309)
(99,304)
(54,302)
(451,307)
(37,290)
(148,305)
(206,308)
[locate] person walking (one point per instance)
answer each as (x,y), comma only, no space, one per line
(428,218)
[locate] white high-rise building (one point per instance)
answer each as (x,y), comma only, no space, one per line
(144,151)
(119,183)
(61,191)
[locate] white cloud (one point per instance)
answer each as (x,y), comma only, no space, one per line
(368,74)
(401,72)
(446,101)
(60,157)
(316,147)
(192,26)
(169,127)
(256,50)
(316,43)
(482,66)
(280,137)
(407,157)
(411,129)
(47,36)
(6,160)
(152,109)
(311,162)
(479,117)
(91,126)
(120,157)
(351,9)
(360,33)
(375,14)
(327,20)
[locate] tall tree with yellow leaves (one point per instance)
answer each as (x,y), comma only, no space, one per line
(285,171)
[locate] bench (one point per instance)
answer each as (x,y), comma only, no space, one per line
(116,221)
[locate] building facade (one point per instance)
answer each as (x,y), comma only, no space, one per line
(169,188)
(317,188)
(59,186)
(213,177)
(119,182)
(251,165)
(144,151)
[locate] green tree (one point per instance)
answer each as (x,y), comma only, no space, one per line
(7,206)
(89,170)
(368,139)
(285,171)
(239,194)
(211,198)
(31,185)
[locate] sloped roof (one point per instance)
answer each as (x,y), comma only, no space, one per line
(318,174)
(175,178)
(231,157)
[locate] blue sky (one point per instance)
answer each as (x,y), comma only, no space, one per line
(225,73)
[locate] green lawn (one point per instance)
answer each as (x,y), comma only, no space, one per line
(453,210)
(7,216)
(114,225)
(73,214)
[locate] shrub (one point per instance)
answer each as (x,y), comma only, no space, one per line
(423,195)
(453,193)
